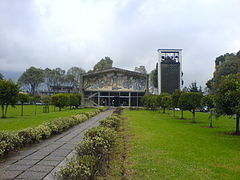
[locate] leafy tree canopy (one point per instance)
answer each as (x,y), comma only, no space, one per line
(225,65)
(190,101)
(60,100)
(175,98)
(74,74)
(150,101)
(105,63)
(154,77)
(194,88)
(1,77)
(8,95)
(208,101)
(32,78)
(23,97)
(228,97)
(164,101)
(141,69)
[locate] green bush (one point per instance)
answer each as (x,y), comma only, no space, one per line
(97,145)
(80,117)
(111,122)
(97,142)
(29,136)
(60,100)
(74,100)
(10,141)
(79,167)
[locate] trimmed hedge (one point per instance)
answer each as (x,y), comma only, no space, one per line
(11,141)
(93,152)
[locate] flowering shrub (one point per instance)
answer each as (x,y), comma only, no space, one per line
(10,141)
(96,147)
(79,167)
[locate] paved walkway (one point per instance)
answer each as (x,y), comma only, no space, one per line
(38,161)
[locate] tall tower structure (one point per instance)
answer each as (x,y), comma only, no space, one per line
(169,70)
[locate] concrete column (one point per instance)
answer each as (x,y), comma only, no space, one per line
(137,99)
(159,70)
(180,60)
(129,99)
(98,98)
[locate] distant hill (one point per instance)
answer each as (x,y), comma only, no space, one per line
(11,75)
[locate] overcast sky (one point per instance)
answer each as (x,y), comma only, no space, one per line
(66,33)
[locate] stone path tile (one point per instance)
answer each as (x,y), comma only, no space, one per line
(32,175)
(41,168)
(10,174)
(48,163)
(16,167)
(40,161)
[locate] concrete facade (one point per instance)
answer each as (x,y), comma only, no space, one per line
(114,87)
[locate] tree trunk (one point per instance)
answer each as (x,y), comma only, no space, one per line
(193,113)
(211,124)
(173,112)
(237,124)
(164,110)
(35,109)
(3,111)
(60,108)
(22,110)
(181,114)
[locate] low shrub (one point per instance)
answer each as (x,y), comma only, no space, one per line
(97,142)
(10,141)
(97,145)
(79,167)
(111,122)
(29,136)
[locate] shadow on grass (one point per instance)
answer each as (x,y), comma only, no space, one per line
(231,133)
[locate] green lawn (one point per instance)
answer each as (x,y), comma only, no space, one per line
(15,122)
(163,147)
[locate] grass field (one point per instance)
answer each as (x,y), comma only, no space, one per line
(15,122)
(163,147)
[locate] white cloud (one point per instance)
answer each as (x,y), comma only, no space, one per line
(66,33)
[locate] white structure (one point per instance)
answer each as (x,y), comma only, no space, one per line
(169,56)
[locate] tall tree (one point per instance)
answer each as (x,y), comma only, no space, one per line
(74,75)
(208,101)
(190,101)
(8,95)
(154,77)
(225,65)
(59,76)
(105,63)
(141,69)
(164,101)
(194,88)
(23,98)
(60,100)
(1,77)
(32,78)
(55,78)
(228,97)
(48,74)
(175,98)
(150,101)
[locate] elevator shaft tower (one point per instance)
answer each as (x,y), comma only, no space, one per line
(169,70)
